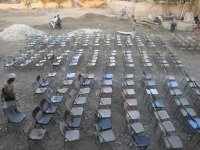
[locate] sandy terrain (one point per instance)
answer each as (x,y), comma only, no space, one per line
(103,19)
(43,16)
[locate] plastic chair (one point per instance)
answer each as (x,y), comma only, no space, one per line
(71,121)
(33,134)
(40,117)
(49,108)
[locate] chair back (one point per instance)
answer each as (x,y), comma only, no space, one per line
(43,104)
(37,113)
(63,128)
(35,85)
(28,126)
(185,74)
(66,115)
(72,94)
(98,94)
(49,92)
(64,69)
(77,85)
(38,78)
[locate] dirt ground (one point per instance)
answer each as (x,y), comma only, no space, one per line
(103,19)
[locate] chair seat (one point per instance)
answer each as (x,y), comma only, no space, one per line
(175,92)
(162,114)
(173,142)
(133,115)
(93,60)
(77,111)
(189,111)
(150,83)
(111,64)
(73,64)
(86,82)
(137,127)
(51,108)
(172,84)
(72,135)
(39,64)
(181,102)
(130,65)
(88,76)
(62,90)
(45,83)
(164,61)
(104,113)
(131,102)
(91,64)
(128,76)
(42,61)
(148,64)
(56,99)
(194,123)
(106,90)
(44,119)
(197,92)
(104,124)
(169,77)
(166,126)
(56,63)
(74,122)
(141,140)
(107,82)
(37,134)
(67,82)
(8,65)
(70,75)
(158,104)
(84,91)
(105,101)
(41,90)
(152,91)
(129,82)
(129,91)
(106,136)
(80,100)
(108,76)
(52,74)
(164,65)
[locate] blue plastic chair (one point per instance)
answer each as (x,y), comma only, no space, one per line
(140,141)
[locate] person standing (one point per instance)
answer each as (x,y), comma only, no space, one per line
(133,26)
(8,91)
(59,21)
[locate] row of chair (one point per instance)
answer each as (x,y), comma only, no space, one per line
(139,139)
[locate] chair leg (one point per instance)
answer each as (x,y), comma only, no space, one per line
(155,127)
(182,81)
(185,86)
(64,143)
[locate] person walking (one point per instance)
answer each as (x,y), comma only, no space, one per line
(8,91)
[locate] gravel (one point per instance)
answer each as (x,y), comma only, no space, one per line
(18,32)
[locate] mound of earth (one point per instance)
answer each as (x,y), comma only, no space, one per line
(19,32)
(87,17)
(90,16)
